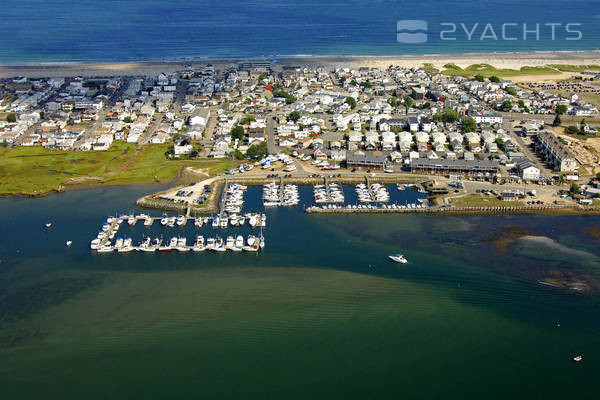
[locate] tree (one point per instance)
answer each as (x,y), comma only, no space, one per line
(408,102)
(127,120)
(11,118)
(582,125)
(350,101)
(289,99)
(573,129)
(511,90)
(393,102)
(294,116)
(574,188)
(479,77)
(561,109)
(449,115)
(557,120)
(238,155)
(238,132)
(262,76)
(258,151)
(494,79)
(506,106)
(366,84)
(468,124)
(247,119)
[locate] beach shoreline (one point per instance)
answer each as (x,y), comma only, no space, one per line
(511,60)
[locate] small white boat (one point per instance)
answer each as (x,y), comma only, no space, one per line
(210,243)
(181,220)
(181,244)
(69,243)
(126,247)
(399,258)
(49,224)
(199,246)
(239,243)
(230,244)
(577,358)
(219,245)
(105,249)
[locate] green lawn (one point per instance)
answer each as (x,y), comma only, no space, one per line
(488,70)
(575,68)
(35,170)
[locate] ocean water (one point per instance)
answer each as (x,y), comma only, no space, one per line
(321,313)
(110,30)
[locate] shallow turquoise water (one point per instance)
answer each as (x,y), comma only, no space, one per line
(320,313)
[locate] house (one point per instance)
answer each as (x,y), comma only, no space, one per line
(368,160)
(182,147)
(320,155)
(555,152)
(337,155)
(449,166)
(528,170)
(413,124)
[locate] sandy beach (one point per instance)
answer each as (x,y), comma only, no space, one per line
(498,60)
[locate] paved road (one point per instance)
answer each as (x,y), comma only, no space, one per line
(270,131)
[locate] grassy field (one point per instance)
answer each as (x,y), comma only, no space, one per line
(35,170)
(488,70)
(575,68)
(479,200)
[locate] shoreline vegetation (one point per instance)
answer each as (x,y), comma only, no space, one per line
(35,171)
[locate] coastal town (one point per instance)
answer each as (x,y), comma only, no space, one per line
(476,140)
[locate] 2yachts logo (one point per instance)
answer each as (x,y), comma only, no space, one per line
(415,31)
(411,31)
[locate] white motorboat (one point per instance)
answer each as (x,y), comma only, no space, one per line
(126,247)
(95,243)
(399,258)
(69,243)
(199,246)
(181,244)
(107,248)
(239,243)
(219,245)
(181,220)
(578,358)
(49,224)
(210,243)
(224,222)
(230,244)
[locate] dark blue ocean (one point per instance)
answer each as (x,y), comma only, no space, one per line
(135,30)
